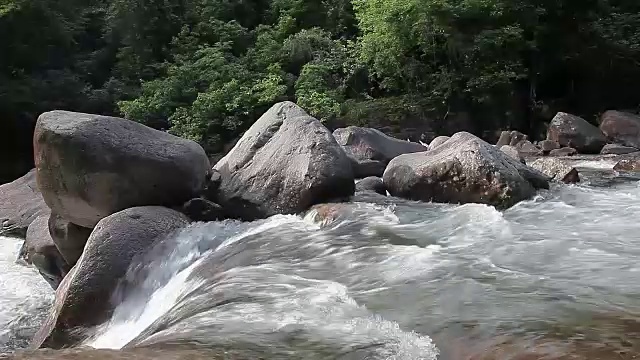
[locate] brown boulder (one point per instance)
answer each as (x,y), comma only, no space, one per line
(91,166)
(83,299)
(20,204)
(621,127)
(573,131)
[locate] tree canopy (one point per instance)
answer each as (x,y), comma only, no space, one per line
(206,69)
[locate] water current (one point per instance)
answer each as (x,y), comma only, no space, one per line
(383,278)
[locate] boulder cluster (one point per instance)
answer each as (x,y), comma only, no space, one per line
(106,189)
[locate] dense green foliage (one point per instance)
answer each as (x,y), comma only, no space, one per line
(206,69)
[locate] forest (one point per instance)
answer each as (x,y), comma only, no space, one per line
(206,69)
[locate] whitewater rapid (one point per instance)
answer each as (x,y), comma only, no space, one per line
(386,278)
(25,298)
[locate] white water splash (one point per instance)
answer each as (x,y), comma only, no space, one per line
(24,296)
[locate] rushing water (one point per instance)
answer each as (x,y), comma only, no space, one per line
(391,279)
(25,298)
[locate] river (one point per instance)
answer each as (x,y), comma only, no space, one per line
(555,276)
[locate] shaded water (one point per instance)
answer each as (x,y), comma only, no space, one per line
(553,277)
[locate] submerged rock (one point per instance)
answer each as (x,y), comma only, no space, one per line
(465,169)
(573,131)
(20,204)
(40,250)
(512,152)
(84,297)
(371,145)
(621,127)
(371,183)
(557,170)
(69,238)
(285,163)
(91,166)
(438,141)
(616,149)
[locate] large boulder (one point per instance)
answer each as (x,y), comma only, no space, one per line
(621,127)
(20,204)
(40,250)
(285,163)
(371,145)
(465,169)
(91,166)
(84,298)
(617,149)
(69,238)
(573,131)
(557,170)
(438,141)
(371,183)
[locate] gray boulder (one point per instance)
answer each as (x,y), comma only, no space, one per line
(20,204)
(616,149)
(566,151)
(621,127)
(516,137)
(548,145)
(361,168)
(371,145)
(527,148)
(83,299)
(91,166)
(512,152)
(438,141)
(465,169)
(511,138)
(557,170)
(285,163)
(69,238)
(40,250)
(371,183)
(573,131)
